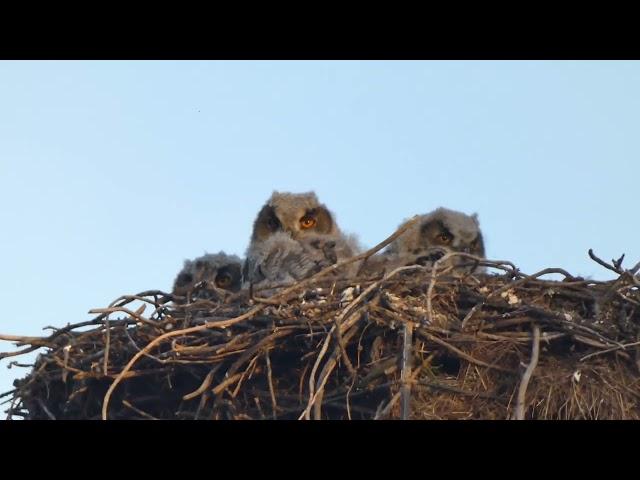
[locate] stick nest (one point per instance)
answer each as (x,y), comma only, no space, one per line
(417,343)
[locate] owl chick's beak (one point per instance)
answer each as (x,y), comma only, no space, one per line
(431,257)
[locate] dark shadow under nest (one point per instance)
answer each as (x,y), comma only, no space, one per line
(418,344)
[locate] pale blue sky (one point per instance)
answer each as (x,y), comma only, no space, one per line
(112,173)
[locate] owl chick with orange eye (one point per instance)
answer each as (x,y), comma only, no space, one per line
(294,236)
(208,277)
(436,234)
(298,214)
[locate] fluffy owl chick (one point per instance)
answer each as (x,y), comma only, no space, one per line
(281,260)
(294,236)
(299,214)
(304,220)
(436,234)
(205,276)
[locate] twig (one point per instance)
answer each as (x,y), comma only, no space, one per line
(385,411)
(459,391)
(10,392)
(405,373)
(522,390)
(619,347)
(19,352)
(603,263)
(618,263)
(316,399)
(248,372)
(107,345)
(250,352)
(141,297)
(138,411)
(229,381)
(45,409)
(132,314)
(24,340)
(343,349)
(271,390)
(460,353)
(471,313)
(205,384)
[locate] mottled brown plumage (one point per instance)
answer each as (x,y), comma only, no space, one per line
(294,236)
(284,212)
(436,234)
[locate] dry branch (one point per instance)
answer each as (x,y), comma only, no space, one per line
(524,383)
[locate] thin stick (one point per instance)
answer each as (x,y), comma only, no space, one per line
(385,411)
(107,342)
(138,411)
(271,390)
(46,410)
(621,347)
(459,391)
(460,353)
(603,263)
(140,296)
(131,313)
(470,314)
(343,351)
(522,390)
(205,384)
(405,374)
(19,352)
(229,381)
(10,392)
(324,375)
(23,340)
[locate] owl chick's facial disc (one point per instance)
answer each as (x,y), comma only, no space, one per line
(203,275)
(298,214)
(438,233)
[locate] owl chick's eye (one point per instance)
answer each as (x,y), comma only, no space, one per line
(223,280)
(307,222)
(444,237)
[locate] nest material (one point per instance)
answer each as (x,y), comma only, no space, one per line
(418,343)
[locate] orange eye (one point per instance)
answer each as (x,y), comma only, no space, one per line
(307,222)
(445,238)
(223,281)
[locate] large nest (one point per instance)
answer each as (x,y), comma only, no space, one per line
(418,343)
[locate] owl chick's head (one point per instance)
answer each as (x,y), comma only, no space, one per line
(438,233)
(205,275)
(299,214)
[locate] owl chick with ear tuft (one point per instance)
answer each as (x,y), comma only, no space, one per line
(434,235)
(298,214)
(294,236)
(209,276)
